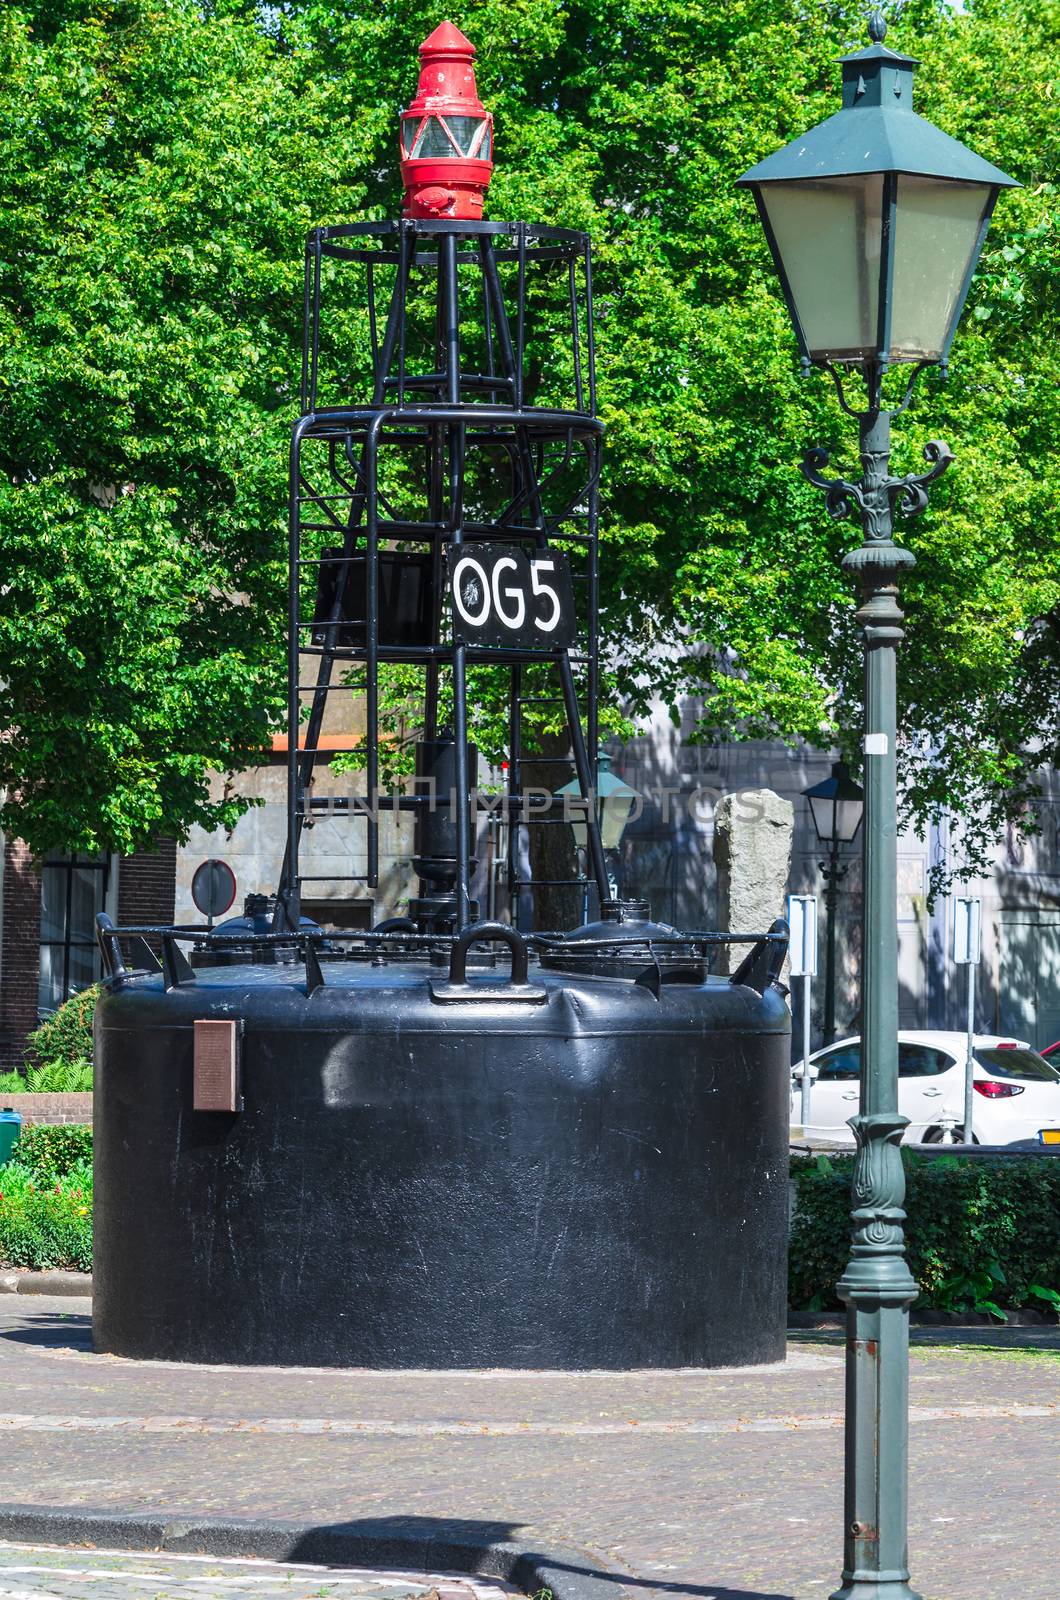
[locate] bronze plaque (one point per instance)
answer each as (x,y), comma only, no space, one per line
(217,1086)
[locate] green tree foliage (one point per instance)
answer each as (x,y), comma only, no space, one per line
(161,169)
(167,160)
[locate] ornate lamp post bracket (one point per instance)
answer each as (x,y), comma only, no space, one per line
(877,563)
(876,496)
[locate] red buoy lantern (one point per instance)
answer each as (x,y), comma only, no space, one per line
(446,133)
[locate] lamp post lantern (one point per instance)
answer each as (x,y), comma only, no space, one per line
(875,219)
(836,806)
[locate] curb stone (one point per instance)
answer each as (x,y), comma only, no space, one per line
(56,1283)
(418,1544)
(933,1319)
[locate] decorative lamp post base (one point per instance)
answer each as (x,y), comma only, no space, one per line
(877,1353)
(878,1289)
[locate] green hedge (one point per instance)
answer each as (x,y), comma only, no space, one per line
(52,1153)
(980,1233)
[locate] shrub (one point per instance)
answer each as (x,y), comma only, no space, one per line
(979,1232)
(50,1153)
(59,1052)
(66,1036)
(45,1224)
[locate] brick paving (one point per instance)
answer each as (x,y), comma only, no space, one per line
(724,1485)
(40,1572)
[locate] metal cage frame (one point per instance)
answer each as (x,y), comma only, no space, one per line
(452,414)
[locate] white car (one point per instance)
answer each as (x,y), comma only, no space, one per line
(1016,1092)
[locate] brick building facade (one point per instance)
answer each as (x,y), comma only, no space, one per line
(19,951)
(135,889)
(146,885)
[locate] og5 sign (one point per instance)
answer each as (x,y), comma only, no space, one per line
(499,597)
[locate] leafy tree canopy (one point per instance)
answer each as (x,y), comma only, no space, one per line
(161,170)
(165,160)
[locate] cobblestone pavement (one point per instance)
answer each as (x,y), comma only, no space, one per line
(40,1572)
(724,1485)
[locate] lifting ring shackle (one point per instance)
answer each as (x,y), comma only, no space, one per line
(481,931)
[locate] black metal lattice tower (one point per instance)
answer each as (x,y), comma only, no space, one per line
(473,343)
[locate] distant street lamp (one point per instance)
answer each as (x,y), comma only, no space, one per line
(836,806)
(875,219)
(616,803)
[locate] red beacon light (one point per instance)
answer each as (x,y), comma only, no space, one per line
(446,133)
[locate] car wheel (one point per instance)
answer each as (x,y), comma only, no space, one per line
(934,1136)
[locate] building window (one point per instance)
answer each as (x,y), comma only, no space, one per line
(73,890)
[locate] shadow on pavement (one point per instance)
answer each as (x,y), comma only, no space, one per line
(66,1330)
(997,1340)
(459,1544)
(993,1341)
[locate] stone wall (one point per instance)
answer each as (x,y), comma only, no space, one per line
(667,856)
(332,850)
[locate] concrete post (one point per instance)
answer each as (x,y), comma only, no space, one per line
(753,830)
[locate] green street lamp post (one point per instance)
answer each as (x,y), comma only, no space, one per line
(836,807)
(875,219)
